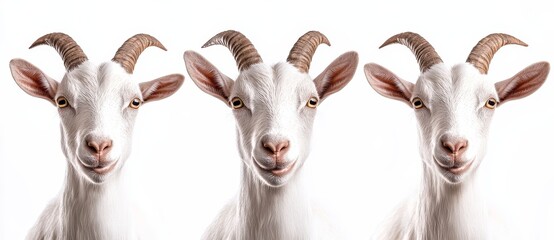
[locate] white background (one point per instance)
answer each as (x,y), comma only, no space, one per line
(364,157)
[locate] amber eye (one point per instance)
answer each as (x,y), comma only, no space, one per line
(62,102)
(135,103)
(491,103)
(312,103)
(417,103)
(236,103)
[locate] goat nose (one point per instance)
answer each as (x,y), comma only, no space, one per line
(276,147)
(100,147)
(454,147)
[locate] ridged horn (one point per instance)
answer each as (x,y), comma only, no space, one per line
(303,50)
(128,54)
(425,53)
(68,49)
(243,50)
(481,55)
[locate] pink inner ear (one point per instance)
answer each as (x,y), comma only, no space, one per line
(337,75)
(524,83)
(207,77)
(161,88)
(33,81)
(388,84)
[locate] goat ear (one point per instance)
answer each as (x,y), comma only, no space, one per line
(523,83)
(336,75)
(388,84)
(33,81)
(207,77)
(161,88)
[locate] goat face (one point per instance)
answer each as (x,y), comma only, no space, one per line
(97,107)
(454,106)
(97,119)
(274,106)
(275,120)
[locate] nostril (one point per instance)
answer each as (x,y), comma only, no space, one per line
(282,146)
(460,146)
(269,147)
(448,147)
(93,146)
(105,145)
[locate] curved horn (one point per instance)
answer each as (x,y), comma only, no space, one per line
(242,49)
(68,49)
(481,55)
(303,50)
(425,53)
(128,54)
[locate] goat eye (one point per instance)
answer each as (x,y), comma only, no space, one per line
(236,103)
(491,103)
(135,103)
(62,102)
(417,103)
(312,103)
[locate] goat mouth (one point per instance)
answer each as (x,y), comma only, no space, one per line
(277,171)
(456,169)
(102,169)
(283,171)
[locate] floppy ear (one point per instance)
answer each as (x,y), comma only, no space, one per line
(33,81)
(523,83)
(206,76)
(161,88)
(336,75)
(388,84)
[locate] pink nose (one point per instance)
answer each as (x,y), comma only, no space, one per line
(99,147)
(276,147)
(455,146)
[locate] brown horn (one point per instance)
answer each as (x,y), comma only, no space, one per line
(68,49)
(242,49)
(303,50)
(481,55)
(425,53)
(128,54)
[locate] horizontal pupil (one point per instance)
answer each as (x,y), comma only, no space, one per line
(236,103)
(61,102)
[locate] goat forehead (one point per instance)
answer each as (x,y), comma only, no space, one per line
(93,85)
(291,81)
(114,81)
(460,84)
(279,83)
(80,79)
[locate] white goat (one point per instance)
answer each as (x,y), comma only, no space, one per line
(97,106)
(274,107)
(453,108)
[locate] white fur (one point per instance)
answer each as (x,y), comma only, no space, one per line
(93,206)
(268,206)
(448,206)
